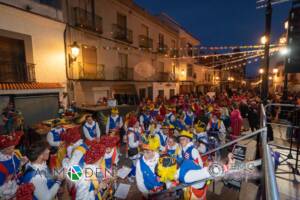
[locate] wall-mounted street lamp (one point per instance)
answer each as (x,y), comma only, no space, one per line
(263,40)
(261,71)
(275,70)
(75,49)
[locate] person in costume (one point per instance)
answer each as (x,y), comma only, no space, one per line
(56,144)
(76,149)
(146,177)
(172,147)
(216,127)
(114,122)
(145,118)
(188,151)
(134,141)
(37,173)
(189,117)
(170,117)
(11,162)
(188,172)
(91,129)
(162,133)
(110,158)
(89,187)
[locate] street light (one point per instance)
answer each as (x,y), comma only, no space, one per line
(275,70)
(282,40)
(284,51)
(263,40)
(74,51)
(261,71)
(286,25)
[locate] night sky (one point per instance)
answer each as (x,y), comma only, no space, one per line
(221,22)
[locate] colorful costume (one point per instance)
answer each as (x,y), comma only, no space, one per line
(91,131)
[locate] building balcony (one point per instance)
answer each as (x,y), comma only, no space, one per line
(145,42)
(92,73)
(123,74)
(165,76)
(162,48)
(174,53)
(85,19)
(17,72)
(122,33)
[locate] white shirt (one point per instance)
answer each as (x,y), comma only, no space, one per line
(131,139)
(115,119)
(196,175)
(41,191)
(139,174)
(195,153)
(86,132)
(9,188)
(50,138)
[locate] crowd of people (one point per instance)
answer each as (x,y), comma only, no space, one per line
(166,141)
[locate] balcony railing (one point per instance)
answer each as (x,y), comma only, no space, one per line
(162,48)
(84,19)
(97,74)
(17,72)
(174,53)
(164,76)
(124,74)
(145,42)
(122,33)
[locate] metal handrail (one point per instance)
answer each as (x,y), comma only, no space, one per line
(271,189)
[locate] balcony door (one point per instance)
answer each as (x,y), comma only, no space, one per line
(12,60)
(145,30)
(122,20)
(89,58)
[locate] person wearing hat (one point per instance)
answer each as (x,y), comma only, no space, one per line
(53,136)
(189,117)
(146,177)
(11,161)
(90,185)
(216,126)
(110,157)
(134,141)
(162,133)
(91,129)
(145,118)
(38,173)
(188,151)
(114,122)
(172,147)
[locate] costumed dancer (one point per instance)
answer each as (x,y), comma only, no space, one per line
(11,161)
(57,150)
(202,139)
(146,177)
(162,133)
(133,143)
(91,129)
(188,151)
(170,117)
(89,186)
(37,173)
(114,122)
(189,117)
(111,156)
(146,118)
(216,126)
(172,147)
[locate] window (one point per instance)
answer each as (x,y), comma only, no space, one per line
(142,92)
(89,58)
(189,70)
(161,39)
(123,60)
(161,67)
(145,30)
(12,60)
(52,3)
(172,93)
(161,93)
(121,20)
(173,44)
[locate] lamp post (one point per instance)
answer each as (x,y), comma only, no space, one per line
(266,42)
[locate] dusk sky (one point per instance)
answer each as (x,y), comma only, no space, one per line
(221,22)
